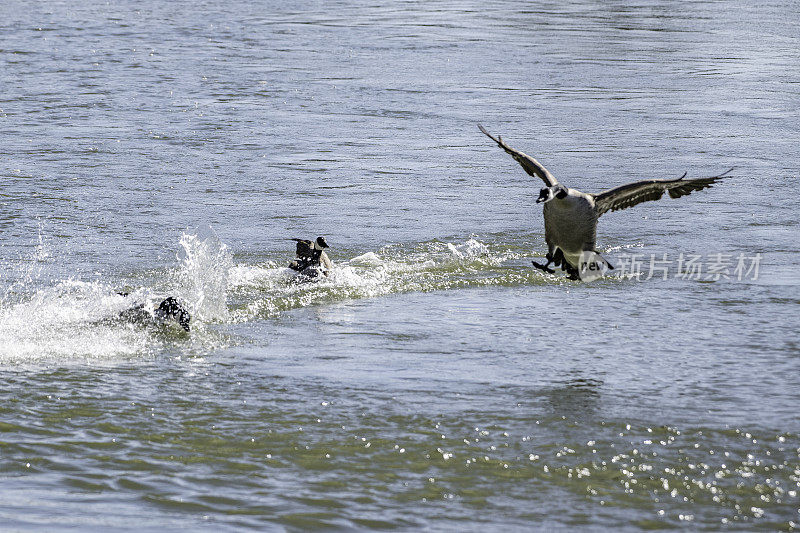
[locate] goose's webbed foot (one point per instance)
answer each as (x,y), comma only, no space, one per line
(544,268)
(572,272)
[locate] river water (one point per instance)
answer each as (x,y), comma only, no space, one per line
(435,380)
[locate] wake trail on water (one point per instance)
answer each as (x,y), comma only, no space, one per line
(73,318)
(267,289)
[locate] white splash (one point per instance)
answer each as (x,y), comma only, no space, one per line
(25,270)
(471,249)
(202,279)
(69,319)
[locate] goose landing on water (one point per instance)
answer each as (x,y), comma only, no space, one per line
(570,216)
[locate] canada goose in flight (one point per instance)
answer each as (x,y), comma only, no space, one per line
(570,216)
(310,257)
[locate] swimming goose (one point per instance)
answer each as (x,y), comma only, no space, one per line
(311,258)
(570,216)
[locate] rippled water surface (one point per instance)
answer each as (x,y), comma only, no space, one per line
(434,380)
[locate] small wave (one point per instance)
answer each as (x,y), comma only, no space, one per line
(469,249)
(367,259)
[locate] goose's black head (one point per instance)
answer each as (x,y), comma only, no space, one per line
(320,244)
(549,193)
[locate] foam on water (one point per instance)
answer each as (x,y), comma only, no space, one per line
(67,320)
(75,318)
(267,288)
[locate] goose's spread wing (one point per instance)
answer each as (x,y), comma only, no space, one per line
(635,193)
(531,166)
